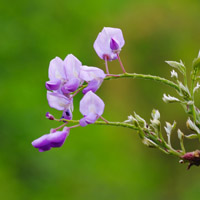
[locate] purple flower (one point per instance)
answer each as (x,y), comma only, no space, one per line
(109,43)
(64,75)
(91,107)
(49,116)
(72,68)
(94,76)
(53,139)
(61,102)
(56,74)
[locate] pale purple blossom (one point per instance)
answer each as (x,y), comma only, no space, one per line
(56,74)
(109,43)
(72,69)
(61,102)
(64,75)
(94,76)
(91,107)
(51,140)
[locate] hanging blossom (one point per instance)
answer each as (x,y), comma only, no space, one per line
(61,102)
(66,78)
(108,43)
(94,76)
(64,75)
(91,107)
(52,140)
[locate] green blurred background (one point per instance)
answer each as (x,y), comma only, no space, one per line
(101,162)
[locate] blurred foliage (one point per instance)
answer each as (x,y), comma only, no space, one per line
(95,162)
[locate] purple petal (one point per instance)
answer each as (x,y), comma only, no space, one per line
(92,86)
(53,85)
(72,66)
(58,138)
(49,116)
(53,139)
(71,86)
(67,114)
(58,101)
(91,73)
(42,143)
(83,122)
(89,119)
(114,44)
(91,104)
(56,70)
(103,46)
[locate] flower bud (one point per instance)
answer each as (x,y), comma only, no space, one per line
(148,142)
(169,99)
(174,74)
(50,116)
(192,126)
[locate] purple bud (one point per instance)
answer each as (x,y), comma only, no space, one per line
(114,45)
(53,139)
(53,85)
(67,114)
(49,116)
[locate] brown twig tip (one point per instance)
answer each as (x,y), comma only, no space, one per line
(192,157)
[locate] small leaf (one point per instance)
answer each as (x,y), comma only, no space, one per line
(174,74)
(140,120)
(184,90)
(169,99)
(155,114)
(192,126)
(192,136)
(196,62)
(180,66)
(180,134)
(196,87)
(149,142)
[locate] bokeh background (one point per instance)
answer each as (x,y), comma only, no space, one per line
(96,162)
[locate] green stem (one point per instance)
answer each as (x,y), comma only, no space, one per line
(145,76)
(122,124)
(126,125)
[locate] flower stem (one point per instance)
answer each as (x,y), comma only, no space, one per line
(120,62)
(145,76)
(106,64)
(122,124)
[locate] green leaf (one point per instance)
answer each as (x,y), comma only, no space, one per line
(180,66)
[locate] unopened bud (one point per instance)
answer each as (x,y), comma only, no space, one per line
(49,116)
(192,126)
(169,99)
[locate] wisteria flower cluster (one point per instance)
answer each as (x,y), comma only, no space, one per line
(68,77)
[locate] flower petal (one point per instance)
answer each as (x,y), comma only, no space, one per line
(67,114)
(91,103)
(91,73)
(42,143)
(103,44)
(92,86)
(72,66)
(58,101)
(53,85)
(56,69)
(58,138)
(71,86)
